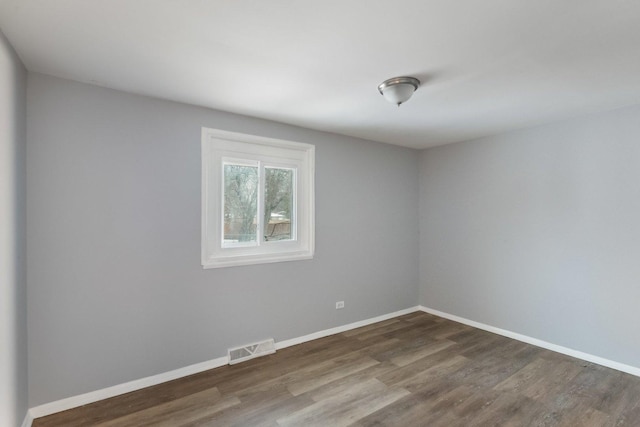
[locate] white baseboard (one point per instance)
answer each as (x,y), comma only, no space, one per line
(344,328)
(105,393)
(538,343)
(28,419)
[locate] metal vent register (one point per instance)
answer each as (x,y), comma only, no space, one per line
(251,351)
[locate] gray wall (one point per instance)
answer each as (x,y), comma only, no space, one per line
(116,290)
(13,308)
(538,232)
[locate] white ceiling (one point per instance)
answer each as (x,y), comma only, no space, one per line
(487,66)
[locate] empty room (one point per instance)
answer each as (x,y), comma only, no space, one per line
(278,213)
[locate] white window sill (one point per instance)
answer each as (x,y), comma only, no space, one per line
(233,261)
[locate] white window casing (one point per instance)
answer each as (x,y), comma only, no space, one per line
(222,147)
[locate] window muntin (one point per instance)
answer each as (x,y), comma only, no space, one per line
(257,199)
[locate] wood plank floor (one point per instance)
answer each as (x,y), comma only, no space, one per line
(414,370)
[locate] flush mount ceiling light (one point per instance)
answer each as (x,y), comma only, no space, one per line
(398,89)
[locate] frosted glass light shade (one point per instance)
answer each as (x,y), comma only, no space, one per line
(398,89)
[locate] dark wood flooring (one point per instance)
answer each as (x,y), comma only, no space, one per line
(414,370)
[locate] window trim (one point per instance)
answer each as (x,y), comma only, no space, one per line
(218,145)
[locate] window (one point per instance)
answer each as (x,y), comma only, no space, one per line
(257,199)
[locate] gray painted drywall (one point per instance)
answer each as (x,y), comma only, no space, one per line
(538,232)
(13,308)
(116,291)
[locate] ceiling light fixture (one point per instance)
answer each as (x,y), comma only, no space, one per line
(398,89)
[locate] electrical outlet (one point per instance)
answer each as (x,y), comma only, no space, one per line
(339,305)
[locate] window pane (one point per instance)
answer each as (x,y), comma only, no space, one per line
(240,203)
(278,204)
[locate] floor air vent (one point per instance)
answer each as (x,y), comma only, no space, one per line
(251,351)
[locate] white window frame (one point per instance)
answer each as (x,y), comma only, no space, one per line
(219,147)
